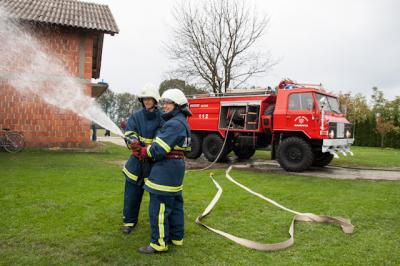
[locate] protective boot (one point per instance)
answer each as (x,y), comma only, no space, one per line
(127,229)
(147,250)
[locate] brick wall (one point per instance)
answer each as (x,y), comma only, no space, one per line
(42,124)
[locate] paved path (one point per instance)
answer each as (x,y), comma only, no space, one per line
(336,172)
(270,166)
(273,166)
(115,140)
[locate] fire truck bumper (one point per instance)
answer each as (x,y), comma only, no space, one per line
(333,146)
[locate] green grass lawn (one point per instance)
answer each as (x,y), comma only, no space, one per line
(363,156)
(65,208)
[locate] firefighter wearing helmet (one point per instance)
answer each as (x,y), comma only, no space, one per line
(164,183)
(140,131)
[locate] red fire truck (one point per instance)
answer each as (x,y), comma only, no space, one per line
(303,124)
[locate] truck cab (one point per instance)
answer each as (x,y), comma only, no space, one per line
(314,123)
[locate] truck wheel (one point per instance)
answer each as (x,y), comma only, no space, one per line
(244,152)
(322,159)
(294,154)
(196,142)
(212,145)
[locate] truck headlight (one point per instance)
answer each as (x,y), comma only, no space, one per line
(331,134)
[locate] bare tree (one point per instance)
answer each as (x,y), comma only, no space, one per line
(213,43)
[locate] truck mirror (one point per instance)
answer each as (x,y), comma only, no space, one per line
(322,103)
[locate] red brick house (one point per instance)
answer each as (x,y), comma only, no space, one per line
(73,31)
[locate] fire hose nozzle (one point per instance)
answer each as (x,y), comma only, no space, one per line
(128,140)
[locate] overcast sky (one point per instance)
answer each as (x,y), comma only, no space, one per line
(348,45)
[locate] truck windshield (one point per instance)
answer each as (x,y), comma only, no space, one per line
(332,103)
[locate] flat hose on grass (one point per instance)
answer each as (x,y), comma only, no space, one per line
(345,224)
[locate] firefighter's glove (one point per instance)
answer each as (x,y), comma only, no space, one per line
(140,153)
(135,145)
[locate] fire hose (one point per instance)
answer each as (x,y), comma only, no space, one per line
(345,224)
(222,148)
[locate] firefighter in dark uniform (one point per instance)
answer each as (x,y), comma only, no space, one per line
(141,129)
(164,183)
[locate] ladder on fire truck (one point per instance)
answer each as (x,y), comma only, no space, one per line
(234,92)
(285,84)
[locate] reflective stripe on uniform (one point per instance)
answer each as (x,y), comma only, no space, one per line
(129,175)
(161,232)
(129,224)
(142,139)
(178,148)
(128,133)
(158,247)
(161,225)
(177,242)
(146,140)
(164,145)
(148,151)
(162,187)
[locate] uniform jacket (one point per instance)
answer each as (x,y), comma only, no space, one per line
(166,175)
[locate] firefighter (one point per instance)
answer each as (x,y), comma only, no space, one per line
(141,129)
(94,135)
(164,183)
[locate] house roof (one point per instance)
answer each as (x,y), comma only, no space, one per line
(98,89)
(70,13)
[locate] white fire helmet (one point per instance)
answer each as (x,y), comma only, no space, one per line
(175,95)
(149,91)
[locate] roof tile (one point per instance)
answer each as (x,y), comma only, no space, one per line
(71,13)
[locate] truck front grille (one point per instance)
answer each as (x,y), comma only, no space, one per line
(339,129)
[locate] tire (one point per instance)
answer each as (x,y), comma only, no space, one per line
(212,145)
(196,143)
(13,142)
(322,159)
(294,154)
(244,152)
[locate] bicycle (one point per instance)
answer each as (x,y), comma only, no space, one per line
(11,141)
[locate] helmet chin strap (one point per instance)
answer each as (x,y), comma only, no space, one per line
(186,111)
